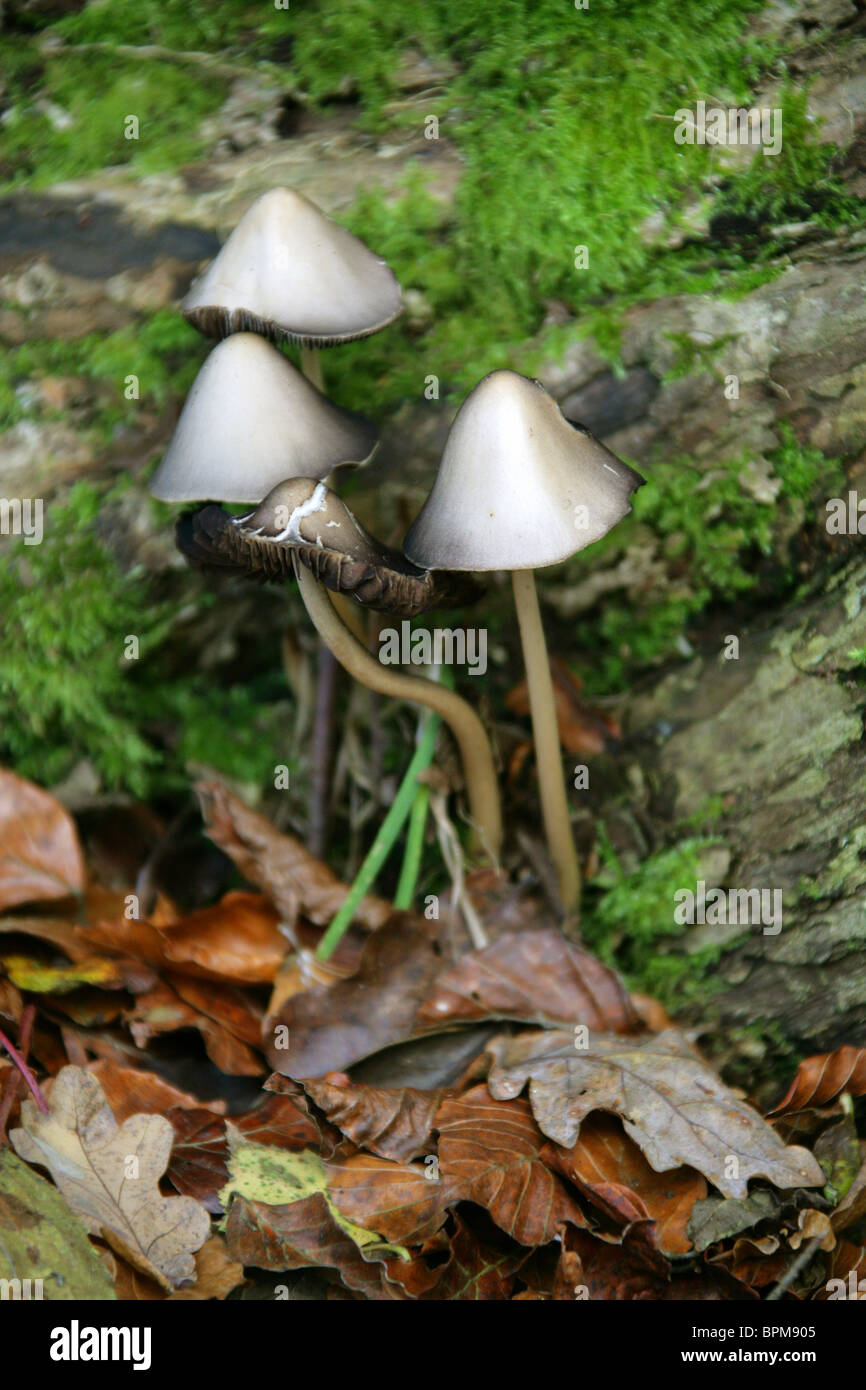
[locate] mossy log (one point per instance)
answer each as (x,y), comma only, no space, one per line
(775,736)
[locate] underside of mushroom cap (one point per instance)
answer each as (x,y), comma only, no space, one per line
(304,518)
(519,487)
(252,420)
(288,271)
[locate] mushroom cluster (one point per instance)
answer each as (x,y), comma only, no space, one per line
(519,487)
(254,429)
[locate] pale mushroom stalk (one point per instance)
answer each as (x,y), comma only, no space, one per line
(519,487)
(468,731)
(311,366)
(554,804)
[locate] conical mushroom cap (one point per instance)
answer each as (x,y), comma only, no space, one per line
(288,270)
(250,421)
(518,486)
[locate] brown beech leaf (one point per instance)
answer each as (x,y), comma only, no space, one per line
(133,1091)
(476,1272)
(536,977)
(216,1274)
(670,1102)
(298,1235)
(40,857)
(820,1079)
(332,1026)
(56,931)
(293,879)
(611,1171)
(125,937)
(489,1152)
(199,1158)
(237,939)
(162,1010)
(632,1271)
(398,1200)
(89,1157)
(394,1124)
(847,1267)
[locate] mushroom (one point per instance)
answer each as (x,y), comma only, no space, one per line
(303,520)
(288,271)
(518,488)
(252,420)
(326,537)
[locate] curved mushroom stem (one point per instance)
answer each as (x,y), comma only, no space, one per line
(548,756)
(311,366)
(469,732)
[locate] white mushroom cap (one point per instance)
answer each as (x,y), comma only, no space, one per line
(250,421)
(518,486)
(288,270)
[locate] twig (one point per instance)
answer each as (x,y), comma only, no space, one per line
(322,751)
(790,1275)
(29,1079)
(449,844)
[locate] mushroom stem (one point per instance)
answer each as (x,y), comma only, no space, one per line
(548,756)
(311,366)
(468,731)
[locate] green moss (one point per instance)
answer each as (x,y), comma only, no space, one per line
(161,351)
(67,690)
(798,182)
(710,532)
(80,121)
(630,922)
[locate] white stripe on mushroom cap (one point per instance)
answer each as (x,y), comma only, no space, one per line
(518,486)
(288,270)
(251,420)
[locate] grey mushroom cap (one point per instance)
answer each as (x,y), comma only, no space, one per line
(519,487)
(252,420)
(288,271)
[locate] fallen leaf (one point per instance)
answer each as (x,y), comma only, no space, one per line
(475,1271)
(403,1201)
(430,1062)
(299,1235)
(110,1174)
(609,1168)
(40,1238)
(848,1266)
(593,1269)
(535,977)
(134,1091)
(294,880)
(38,978)
(853,1204)
(670,1102)
(216,1274)
(162,1010)
(235,940)
(582,729)
(199,1158)
(714,1219)
(40,857)
(820,1079)
(394,1124)
(490,1152)
(330,1027)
